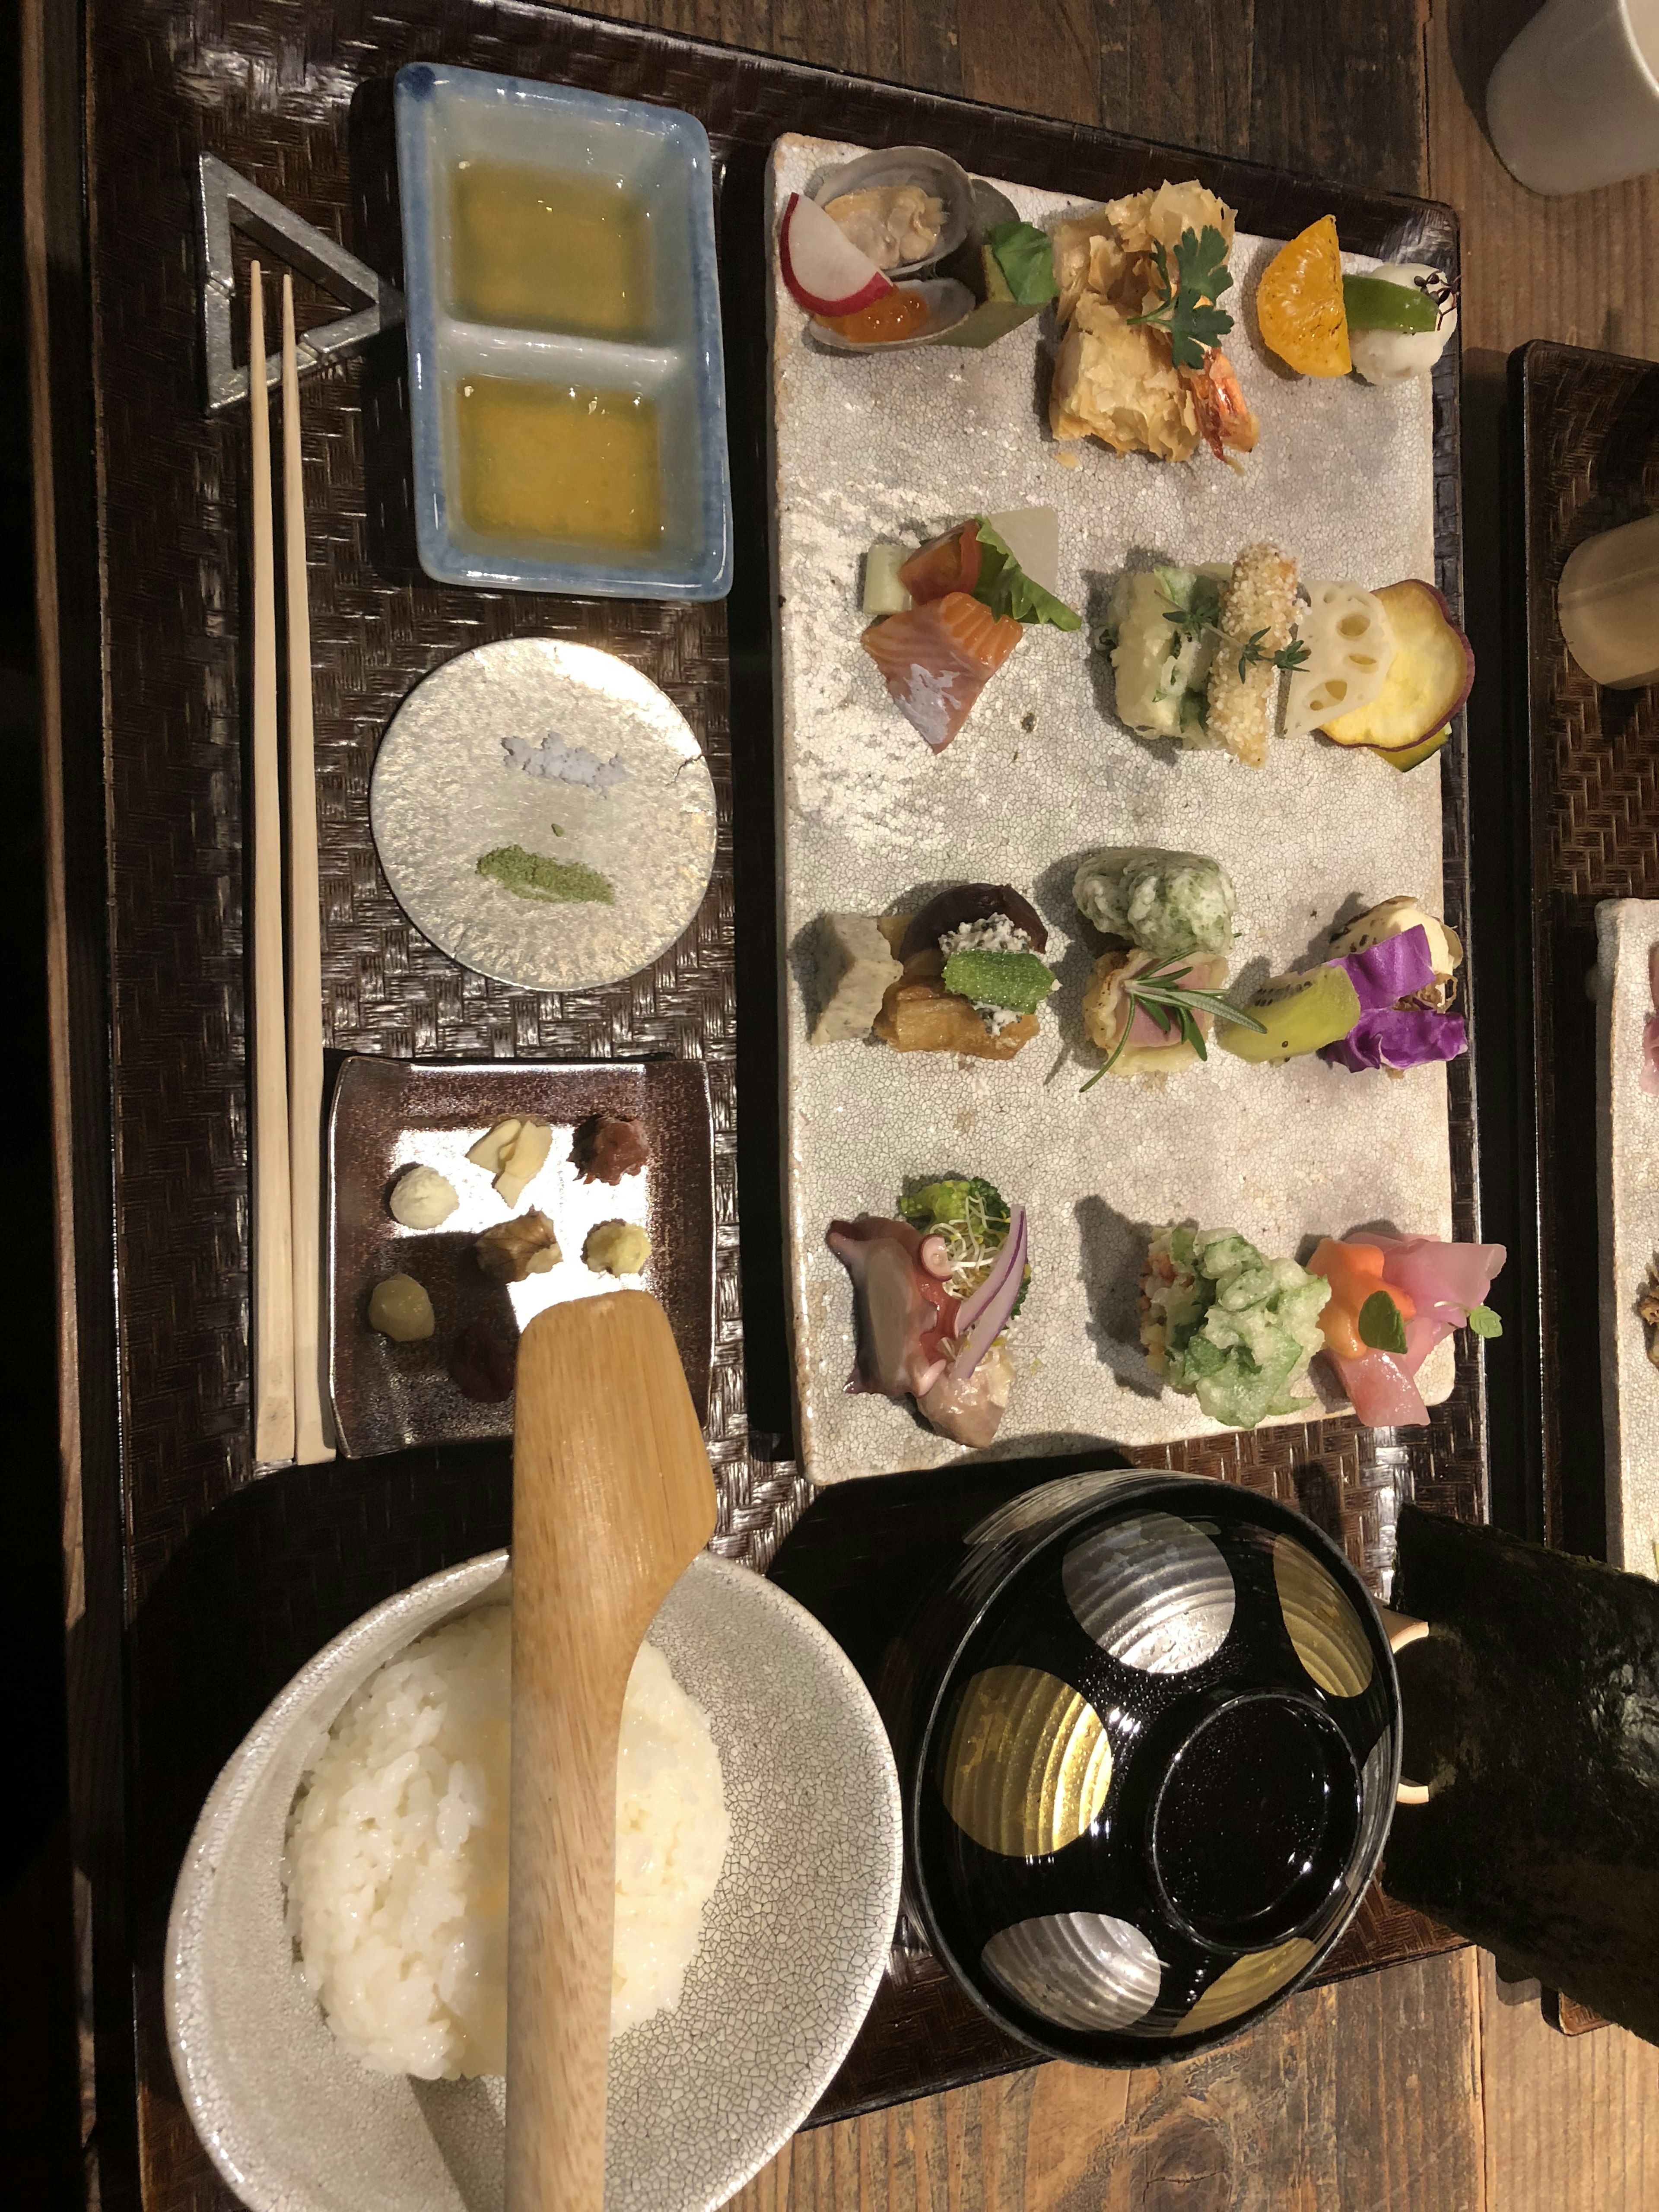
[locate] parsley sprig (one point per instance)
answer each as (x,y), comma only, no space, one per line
(1288,657)
(1163,991)
(1187,311)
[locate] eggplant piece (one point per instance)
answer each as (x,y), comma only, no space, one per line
(965,902)
(1532,1712)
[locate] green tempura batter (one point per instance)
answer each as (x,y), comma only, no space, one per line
(530,875)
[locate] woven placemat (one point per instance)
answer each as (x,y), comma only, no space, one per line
(1588,435)
(233,1580)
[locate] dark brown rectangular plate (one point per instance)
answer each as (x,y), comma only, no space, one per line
(209,1580)
(1586,439)
(387,1115)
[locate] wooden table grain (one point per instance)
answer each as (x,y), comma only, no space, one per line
(1432,2087)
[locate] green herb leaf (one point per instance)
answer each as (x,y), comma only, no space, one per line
(1382,1325)
(1484,1321)
(1187,310)
(1202,611)
(1288,657)
(1004,587)
(1025,256)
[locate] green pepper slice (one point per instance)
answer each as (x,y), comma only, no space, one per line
(1373,304)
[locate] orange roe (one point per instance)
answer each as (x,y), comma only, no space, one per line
(897,314)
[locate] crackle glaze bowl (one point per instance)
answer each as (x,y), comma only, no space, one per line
(1151,1732)
(794,1940)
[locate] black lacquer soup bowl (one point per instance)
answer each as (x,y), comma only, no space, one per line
(1151,1730)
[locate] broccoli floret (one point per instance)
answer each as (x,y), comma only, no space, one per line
(973,1217)
(958,1201)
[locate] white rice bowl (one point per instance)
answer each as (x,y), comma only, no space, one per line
(396,1866)
(792,1943)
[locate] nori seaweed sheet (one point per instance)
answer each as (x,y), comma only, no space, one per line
(1533,1712)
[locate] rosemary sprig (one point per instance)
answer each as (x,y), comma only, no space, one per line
(1287,658)
(1187,311)
(1163,990)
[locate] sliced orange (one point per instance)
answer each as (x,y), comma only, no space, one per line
(1299,303)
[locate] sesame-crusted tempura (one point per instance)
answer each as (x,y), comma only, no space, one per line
(1259,603)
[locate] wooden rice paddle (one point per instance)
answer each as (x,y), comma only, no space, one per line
(612,1499)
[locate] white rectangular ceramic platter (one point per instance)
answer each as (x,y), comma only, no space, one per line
(1626,932)
(898,447)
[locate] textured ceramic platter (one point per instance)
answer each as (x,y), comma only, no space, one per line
(794,1938)
(897,447)
(447,791)
(1626,932)
(390,1114)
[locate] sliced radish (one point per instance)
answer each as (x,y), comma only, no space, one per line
(822,267)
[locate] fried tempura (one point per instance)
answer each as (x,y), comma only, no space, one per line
(1115,380)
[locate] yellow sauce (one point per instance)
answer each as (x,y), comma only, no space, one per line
(544,250)
(560,464)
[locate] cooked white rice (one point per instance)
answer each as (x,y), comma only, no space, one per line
(396,1867)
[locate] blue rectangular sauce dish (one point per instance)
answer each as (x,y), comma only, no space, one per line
(567,387)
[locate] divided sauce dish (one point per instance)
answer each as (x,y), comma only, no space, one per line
(504,372)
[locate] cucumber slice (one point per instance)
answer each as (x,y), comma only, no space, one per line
(1299,1014)
(883,594)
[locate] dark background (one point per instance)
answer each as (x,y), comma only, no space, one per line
(39,2092)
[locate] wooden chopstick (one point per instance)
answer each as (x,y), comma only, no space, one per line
(273,1265)
(305,950)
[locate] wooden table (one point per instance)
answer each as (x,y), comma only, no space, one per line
(1434,2086)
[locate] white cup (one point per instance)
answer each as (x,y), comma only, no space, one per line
(1608,605)
(1574,101)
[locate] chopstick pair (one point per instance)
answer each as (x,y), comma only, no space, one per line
(291,1420)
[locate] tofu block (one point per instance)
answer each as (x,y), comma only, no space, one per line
(855,968)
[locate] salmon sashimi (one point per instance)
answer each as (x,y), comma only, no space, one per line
(945,564)
(936,658)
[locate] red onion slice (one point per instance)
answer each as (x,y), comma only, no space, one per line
(974,1305)
(995,1314)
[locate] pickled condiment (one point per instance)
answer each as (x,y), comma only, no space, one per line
(558,465)
(545,249)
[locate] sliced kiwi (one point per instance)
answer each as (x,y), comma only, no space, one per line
(1299,1014)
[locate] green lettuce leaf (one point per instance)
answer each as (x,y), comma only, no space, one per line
(1004,587)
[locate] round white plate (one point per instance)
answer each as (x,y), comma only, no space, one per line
(617,785)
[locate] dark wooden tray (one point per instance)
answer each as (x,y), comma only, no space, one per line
(208,1580)
(1585,439)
